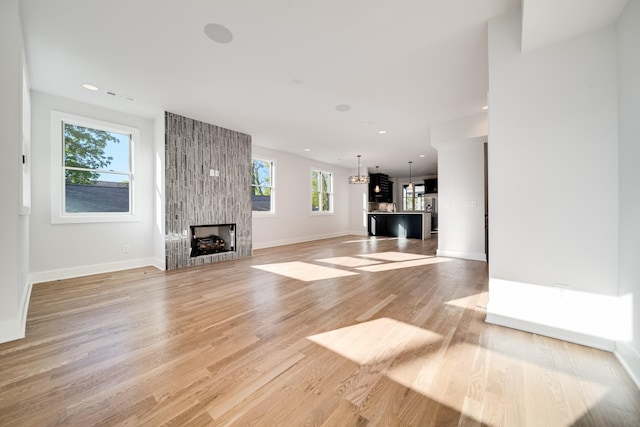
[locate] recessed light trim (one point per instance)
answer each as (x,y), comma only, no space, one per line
(119,95)
(90,86)
(218,33)
(343,107)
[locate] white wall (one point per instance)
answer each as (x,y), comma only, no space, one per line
(553,184)
(293,221)
(67,250)
(14,246)
(461,201)
(629,132)
(159,193)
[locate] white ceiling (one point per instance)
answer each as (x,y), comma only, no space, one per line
(549,21)
(400,65)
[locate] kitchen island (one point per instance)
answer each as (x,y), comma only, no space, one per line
(412,225)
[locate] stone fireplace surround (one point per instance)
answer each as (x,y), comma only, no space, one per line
(207,181)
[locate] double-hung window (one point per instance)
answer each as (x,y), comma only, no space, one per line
(413,198)
(92,170)
(321,191)
(262,186)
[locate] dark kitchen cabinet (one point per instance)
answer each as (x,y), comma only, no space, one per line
(378,225)
(386,188)
(396,225)
(431,186)
(413,226)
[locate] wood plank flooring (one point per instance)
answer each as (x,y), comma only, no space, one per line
(348,331)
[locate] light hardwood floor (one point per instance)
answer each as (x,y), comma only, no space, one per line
(341,332)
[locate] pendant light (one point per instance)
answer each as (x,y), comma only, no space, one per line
(410,186)
(377,187)
(359,179)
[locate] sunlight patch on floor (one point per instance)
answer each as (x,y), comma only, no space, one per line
(304,271)
(347,261)
(376,340)
(394,256)
(416,358)
(370,239)
(470,302)
(421,374)
(403,264)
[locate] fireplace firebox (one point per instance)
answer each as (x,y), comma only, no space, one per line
(212,239)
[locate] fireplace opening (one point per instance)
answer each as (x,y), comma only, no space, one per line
(212,239)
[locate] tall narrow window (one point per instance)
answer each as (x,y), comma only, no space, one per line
(262,186)
(94,180)
(321,191)
(413,198)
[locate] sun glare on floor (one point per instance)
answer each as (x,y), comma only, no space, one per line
(347,261)
(394,256)
(403,264)
(421,374)
(376,340)
(416,358)
(471,301)
(304,271)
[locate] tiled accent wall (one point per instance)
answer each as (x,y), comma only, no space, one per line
(194,197)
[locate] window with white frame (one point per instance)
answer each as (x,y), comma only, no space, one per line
(92,170)
(262,186)
(321,191)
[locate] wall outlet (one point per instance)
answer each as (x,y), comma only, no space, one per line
(562,291)
(125,249)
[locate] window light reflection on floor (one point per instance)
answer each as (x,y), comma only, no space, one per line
(304,271)
(394,256)
(403,264)
(416,358)
(347,261)
(375,340)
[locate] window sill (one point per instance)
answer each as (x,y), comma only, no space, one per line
(258,214)
(321,214)
(88,219)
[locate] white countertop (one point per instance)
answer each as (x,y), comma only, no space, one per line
(398,213)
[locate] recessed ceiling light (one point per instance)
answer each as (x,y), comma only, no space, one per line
(89,86)
(382,132)
(366,122)
(343,107)
(485,107)
(297,81)
(218,33)
(421,155)
(307,149)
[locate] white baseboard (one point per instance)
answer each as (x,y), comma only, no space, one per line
(550,331)
(473,256)
(68,273)
(294,240)
(11,330)
(558,312)
(15,329)
(160,264)
(630,360)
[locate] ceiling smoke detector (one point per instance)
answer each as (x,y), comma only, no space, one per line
(218,33)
